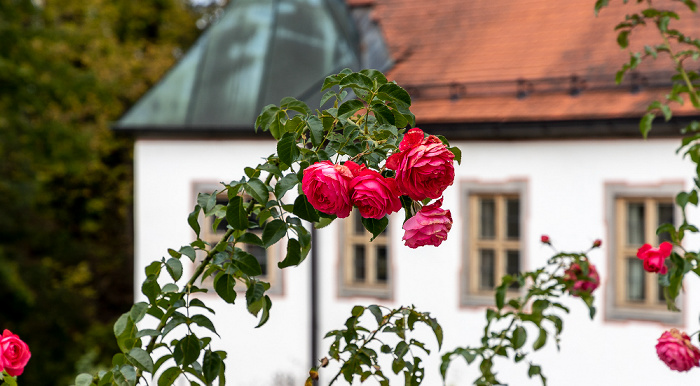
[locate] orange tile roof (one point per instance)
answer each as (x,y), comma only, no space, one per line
(488,45)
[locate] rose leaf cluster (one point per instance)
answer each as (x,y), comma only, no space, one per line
(424,168)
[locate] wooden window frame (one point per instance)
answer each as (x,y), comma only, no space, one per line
(618,197)
(206,233)
(370,287)
(471,194)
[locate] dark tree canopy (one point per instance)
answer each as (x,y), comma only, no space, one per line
(67,70)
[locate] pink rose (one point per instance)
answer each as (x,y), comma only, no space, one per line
(424,166)
(654,258)
(374,195)
(14,354)
(428,227)
(676,351)
(327,186)
(577,283)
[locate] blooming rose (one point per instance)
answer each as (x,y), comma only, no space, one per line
(577,283)
(429,226)
(676,351)
(424,166)
(327,186)
(654,257)
(14,354)
(374,195)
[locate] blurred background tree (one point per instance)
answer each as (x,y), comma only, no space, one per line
(67,69)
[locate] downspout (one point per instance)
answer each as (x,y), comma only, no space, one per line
(314,300)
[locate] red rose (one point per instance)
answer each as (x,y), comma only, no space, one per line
(544,239)
(428,227)
(654,258)
(577,283)
(676,351)
(327,186)
(14,354)
(374,195)
(424,166)
(597,243)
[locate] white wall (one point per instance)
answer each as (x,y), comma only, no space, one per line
(566,183)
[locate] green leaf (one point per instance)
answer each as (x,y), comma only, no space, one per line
(541,340)
(304,210)
(437,330)
(203,321)
(350,108)
(193,218)
(83,380)
(190,347)
(457,152)
(211,366)
(174,267)
(519,337)
(500,296)
(254,295)
(266,306)
(138,311)
(374,226)
(189,252)
(257,190)
(150,288)
(169,376)
(247,263)
(534,370)
(236,215)
(287,148)
(224,286)
(140,358)
(250,238)
(357,80)
(290,103)
(293,256)
(315,130)
(393,92)
(377,312)
(273,232)
(645,124)
(285,184)
(623,38)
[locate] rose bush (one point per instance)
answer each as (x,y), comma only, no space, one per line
(578,282)
(14,354)
(428,227)
(655,258)
(424,166)
(676,351)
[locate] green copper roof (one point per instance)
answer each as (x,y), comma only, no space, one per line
(258,52)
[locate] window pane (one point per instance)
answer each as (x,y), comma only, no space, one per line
(487,272)
(513,218)
(487,217)
(660,295)
(359,260)
(513,265)
(666,216)
(636,288)
(359,228)
(635,223)
(260,254)
(382,264)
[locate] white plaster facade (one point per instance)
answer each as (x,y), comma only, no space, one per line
(566,181)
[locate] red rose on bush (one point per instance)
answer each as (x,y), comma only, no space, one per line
(327,186)
(374,195)
(428,227)
(578,283)
(676,351)
(544,239)
(654,258)
(14,354)
(424,166)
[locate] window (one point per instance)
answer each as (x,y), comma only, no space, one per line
(365,266)
(267,258)
(637,213)
(493,217)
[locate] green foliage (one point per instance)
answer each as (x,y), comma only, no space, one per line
(530,317)
(355,347)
